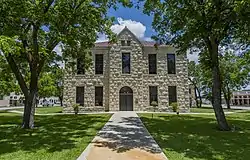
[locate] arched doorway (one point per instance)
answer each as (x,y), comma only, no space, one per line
(126,99)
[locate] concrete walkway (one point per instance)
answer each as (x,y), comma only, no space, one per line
(124,137)
(10,108)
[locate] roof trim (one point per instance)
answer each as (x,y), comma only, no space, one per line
(131,33)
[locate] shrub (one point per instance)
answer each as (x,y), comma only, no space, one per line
(154,103)
(76,108)
(175,107)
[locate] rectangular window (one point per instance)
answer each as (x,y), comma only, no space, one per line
(99,64)
(99,96)
(126,63)
(80,95)
(171,64)
(153,96)
(128,43)
(80,65)
(123,43)
(172,94)
(152,63)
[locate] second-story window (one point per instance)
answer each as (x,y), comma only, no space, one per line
(126,63)
(171,64)
(80,65)
(152,64)
(99,64)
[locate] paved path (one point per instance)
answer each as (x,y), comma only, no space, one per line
(10,108)
(124,137)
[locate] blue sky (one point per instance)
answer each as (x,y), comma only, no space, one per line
(134,19)
(135,15)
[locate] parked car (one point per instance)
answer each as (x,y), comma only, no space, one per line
(48,103)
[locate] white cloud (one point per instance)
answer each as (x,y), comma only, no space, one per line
(58,50)
(102,38)
(136,27)
(193,57)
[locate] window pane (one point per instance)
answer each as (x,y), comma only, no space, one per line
(99,96)
(171,63)
(152,63)
(126,63)
(80,65)
(172,94)
(153,96)
(80,95)
(99,64)
(128,43)
(123,43)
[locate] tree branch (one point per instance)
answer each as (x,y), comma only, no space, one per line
(48,6)
(18,75)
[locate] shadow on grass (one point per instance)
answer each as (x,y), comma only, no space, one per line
(127,134)
(52,133)
(196,137)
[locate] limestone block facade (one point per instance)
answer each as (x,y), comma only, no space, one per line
(138,81)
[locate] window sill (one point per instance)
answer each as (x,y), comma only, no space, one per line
(172,74)
(126,47)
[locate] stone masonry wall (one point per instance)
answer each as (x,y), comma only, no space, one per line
(139,80)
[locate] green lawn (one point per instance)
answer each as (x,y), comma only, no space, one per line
(187,137)
(209,110)
(45,110)
(61,137)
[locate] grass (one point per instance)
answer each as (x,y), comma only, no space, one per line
(57,137)
(45,110)
(187,137)
(208,110)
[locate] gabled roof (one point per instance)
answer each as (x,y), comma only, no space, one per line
(142,43)
(131,33)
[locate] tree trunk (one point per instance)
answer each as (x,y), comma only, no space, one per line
(61,100)
(196,97)
(216,88)
(200,99)
(30,103)
(228,97)
(29,110)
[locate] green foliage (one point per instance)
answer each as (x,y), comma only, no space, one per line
(175,106)
(76,108)
(234,71)
(46,84)
(8,82)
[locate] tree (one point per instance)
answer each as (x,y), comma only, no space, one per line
(203,25)
(58,76)
(235,71)
(30,30)
(46,84)
(195,76)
